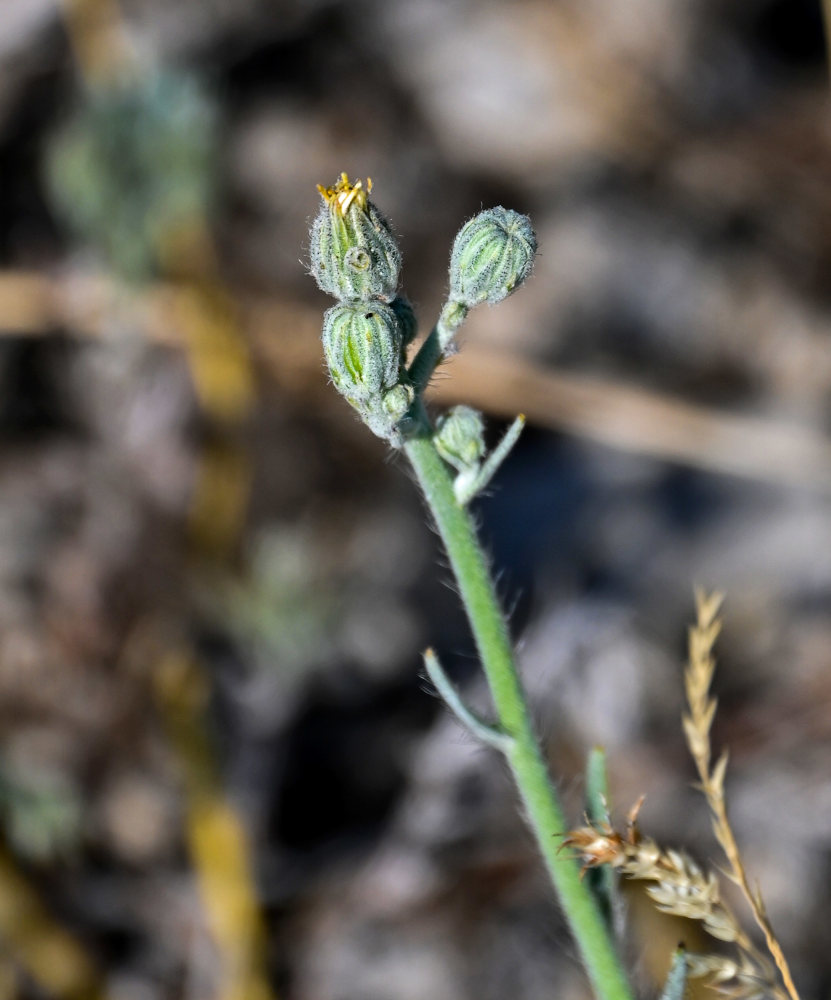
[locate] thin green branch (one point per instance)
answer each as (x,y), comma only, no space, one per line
(439,344)
(484,731)
(603,881)
(424,363)
(597,787)
(676,983)
(468,488)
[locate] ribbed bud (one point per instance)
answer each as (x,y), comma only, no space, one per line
(492,255)
(459,437)
(362,344)
(354,255)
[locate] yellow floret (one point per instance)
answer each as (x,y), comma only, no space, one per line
(343,194)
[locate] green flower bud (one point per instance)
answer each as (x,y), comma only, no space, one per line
(492,255)
(362,344)
(354,255)
(386,416)
(460,438)
(397,401)
(452,316)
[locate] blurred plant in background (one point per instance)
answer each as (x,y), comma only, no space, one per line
(134,175)
(283,610)
(41,813)
(135,164)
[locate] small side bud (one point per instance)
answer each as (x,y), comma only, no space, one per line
(386,415)
(397,401)
(452,316)
(492,255)
(362,344)
(354,255)
(460,438)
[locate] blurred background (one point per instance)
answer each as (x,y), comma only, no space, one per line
(222,774)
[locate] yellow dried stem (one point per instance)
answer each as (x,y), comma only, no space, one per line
(697,723)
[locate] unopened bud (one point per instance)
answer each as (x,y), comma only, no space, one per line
(460,437)
(386,415)
(452,316)
(492,255)
(354,255)
(397,401)
(362,344)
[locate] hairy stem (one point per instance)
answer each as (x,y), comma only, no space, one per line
(424,363)
(544,812)
(438,345)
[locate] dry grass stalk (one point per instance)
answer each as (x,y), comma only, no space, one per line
(697,724)
(681,888)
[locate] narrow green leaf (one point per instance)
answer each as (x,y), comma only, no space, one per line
(676,982)
(602,881)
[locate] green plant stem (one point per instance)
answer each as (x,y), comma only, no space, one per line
(603,880)
(597,787)
(424,363)
(490,631)
(676,984)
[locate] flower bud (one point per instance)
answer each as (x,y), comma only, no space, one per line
(452,316)
(386,415)
(354,255)
(362,344)
(459,437)
(397,401)
(492,255)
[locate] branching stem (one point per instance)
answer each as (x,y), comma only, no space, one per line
(487,621)
(491,735)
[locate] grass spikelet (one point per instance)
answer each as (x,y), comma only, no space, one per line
(697,723)
(680,887)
